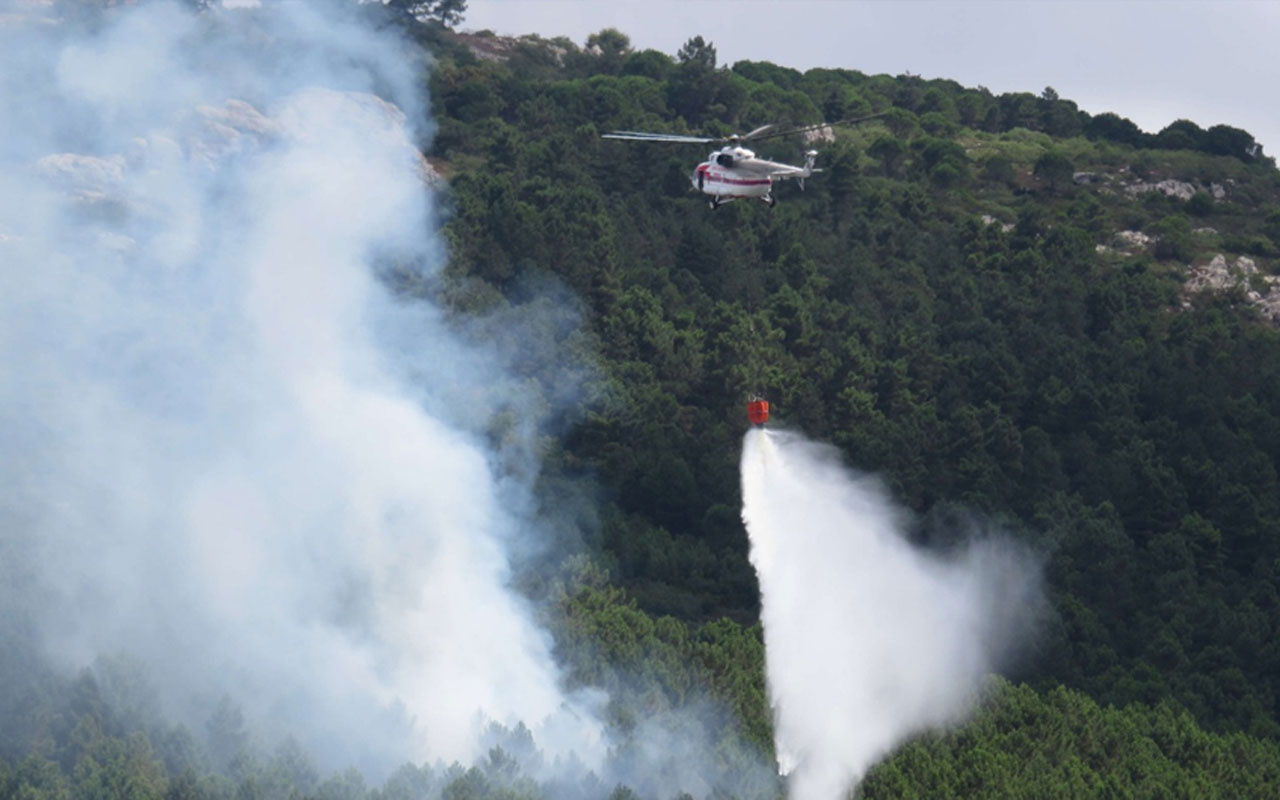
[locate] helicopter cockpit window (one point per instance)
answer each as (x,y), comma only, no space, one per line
(724,160)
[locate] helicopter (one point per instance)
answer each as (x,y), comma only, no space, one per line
(733,172)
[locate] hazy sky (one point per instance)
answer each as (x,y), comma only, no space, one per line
(1152,61)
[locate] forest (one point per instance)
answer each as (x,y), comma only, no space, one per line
(990,301)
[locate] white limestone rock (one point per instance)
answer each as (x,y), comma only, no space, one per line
(215,132)
(364,114)
(989,220)
(210,134)
(1269,305)
(1133,240)
(1220,275)
(1215,275)
(1168,187)
(87,178)
(821,135)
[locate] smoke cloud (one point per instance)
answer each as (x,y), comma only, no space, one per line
(230,451)
(868,640)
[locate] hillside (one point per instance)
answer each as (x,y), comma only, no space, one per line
(1018,318)
(1005,306)
(1019,315)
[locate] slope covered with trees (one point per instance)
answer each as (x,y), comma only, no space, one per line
(949,303)
(984,298)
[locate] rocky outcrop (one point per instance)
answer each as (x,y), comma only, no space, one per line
(488,46)
(1183,190)
(207,138)
(87,178)
(1218,274)
(822,135)
(1168,187)
(1269,305)
(212,133)
(27,12)
(369,115)
(1123,182)
(1243,274)
(1133,240)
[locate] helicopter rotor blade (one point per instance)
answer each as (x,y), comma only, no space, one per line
(757,132)
(814,127)
(641,136)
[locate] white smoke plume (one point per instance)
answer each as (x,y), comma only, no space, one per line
(868,640)
(213,458)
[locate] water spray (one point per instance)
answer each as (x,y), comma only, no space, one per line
(868,639)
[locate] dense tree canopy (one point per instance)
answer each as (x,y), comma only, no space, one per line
(949,304)
(954,305)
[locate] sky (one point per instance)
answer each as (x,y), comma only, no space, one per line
(1152,61)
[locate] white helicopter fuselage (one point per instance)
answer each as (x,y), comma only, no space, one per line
(734,173)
